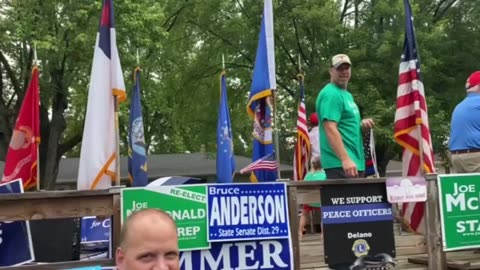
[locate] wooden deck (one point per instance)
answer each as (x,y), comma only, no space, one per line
(407,246)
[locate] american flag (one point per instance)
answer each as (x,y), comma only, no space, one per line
(267,162)
(302,147)
(411,121)
(371,168)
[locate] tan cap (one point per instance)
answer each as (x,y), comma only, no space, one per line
(339,59)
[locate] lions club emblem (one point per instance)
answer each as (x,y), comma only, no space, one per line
(360,248)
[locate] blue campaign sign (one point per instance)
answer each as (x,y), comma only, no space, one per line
(12,187)
(95,230)
(263,254)
(247,212)
(15,237)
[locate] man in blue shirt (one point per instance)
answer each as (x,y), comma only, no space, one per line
(465,129)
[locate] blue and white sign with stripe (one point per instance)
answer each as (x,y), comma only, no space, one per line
(355,213)
(247,212)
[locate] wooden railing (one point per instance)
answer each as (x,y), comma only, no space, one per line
(71,204)
(63,204)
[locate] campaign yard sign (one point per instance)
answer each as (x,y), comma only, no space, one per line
(257,214)
(15,238)
(95,230)
(257,254)
(459,196)
(357,221)
(187,205)
(239,212)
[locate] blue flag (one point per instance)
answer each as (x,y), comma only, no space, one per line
(137,154)
(260,103)
(225,159)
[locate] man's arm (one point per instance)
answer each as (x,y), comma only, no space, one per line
(335,140)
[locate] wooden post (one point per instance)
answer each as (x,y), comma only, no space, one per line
(116,223)
(436,257)
(293,216)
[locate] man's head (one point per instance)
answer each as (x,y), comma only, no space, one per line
(340,71)
(316,164)
(473,82)
(148,241)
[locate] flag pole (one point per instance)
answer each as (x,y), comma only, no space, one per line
(117,143)
(35,62)
(117,136)
(138,59)
(275,129)
(223,61)
(420,148)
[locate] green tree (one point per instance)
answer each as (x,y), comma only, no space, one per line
(180,46)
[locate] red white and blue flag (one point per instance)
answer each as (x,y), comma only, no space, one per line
(371,168)
(97,169)
(411,121)
(267,163)
(302,147)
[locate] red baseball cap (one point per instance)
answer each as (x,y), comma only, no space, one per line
(473,80)
(314,119)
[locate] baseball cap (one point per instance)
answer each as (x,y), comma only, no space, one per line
(314,119)
(473,80)
(339,59)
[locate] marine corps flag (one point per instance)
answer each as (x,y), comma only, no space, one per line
(260,104)
(22,155)
(97,169)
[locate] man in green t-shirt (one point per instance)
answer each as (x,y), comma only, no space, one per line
(341,145)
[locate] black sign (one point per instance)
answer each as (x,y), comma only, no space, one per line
(357,222)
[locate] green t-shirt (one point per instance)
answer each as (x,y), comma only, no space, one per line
(315,176)
(336,104)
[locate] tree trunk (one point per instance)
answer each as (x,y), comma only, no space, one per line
(357,12)
(5,129)
(6,114)
(51,162)
(56,128)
